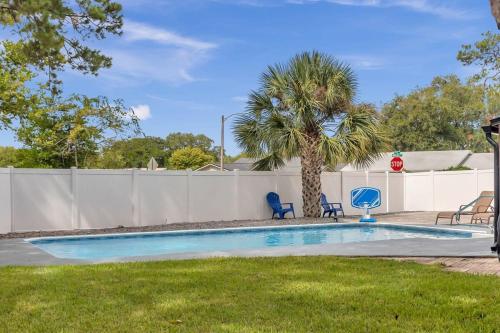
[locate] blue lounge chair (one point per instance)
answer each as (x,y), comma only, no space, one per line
(273,199)
(331,207)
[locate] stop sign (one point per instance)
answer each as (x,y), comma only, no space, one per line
(397,164)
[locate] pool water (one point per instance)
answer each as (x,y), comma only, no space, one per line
(223,240)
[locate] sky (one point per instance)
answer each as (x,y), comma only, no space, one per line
(181,64)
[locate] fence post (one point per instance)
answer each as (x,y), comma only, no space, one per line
(276,181)
(404,192)
(11,198)
(387,190)
(136,210)
(433,191)
(341,186)
(236,183)
(189,174)
(477,182)
(75,209)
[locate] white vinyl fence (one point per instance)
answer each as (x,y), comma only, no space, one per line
(43,199)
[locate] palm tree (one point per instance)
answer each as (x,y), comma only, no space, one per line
(305,109)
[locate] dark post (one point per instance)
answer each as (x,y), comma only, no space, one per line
(488,130)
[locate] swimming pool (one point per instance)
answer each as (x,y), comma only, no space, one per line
(102,247)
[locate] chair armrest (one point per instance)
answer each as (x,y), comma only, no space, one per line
(288,203)
(337,203)
(463,208)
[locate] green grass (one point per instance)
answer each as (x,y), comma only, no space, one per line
(302,294)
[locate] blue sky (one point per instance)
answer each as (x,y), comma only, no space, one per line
(184,63)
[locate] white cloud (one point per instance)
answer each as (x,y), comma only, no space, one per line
(155,54)
(240,99)
(142,111)
(136,66)
(363,62)
(424,6)
(135,31)
(433,7)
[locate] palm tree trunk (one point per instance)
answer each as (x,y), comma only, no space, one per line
(311,164)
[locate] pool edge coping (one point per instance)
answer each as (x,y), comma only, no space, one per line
(474,233)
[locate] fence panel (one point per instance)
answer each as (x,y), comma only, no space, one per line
(485,180)
(212,196)
(162,198)
(396,192)
(379,181)
(331,185)
(42,199)
(104,199)
(5,201)
(452,189)
(419,191)
(290,190)
(252,189)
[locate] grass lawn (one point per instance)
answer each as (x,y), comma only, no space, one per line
(294,294)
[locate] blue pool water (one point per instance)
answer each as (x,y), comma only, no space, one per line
(163,243)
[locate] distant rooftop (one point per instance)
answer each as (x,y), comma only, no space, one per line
(413,161)
(480,161)
(432,160)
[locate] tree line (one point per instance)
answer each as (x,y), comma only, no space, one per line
(58,128)
(178,151)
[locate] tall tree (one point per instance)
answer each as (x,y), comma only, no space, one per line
(15,96)
(446,115)
(71,131)
(135,153)
(484,54)
(189,158)
(53,33)
(304,109)
(178,140)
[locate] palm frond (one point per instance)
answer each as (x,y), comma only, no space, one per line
(268,163)
(362,137)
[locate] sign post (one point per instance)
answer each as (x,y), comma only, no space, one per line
(397,163)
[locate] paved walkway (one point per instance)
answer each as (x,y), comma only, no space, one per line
(482,266)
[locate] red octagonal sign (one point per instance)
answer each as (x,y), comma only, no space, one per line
(397,164)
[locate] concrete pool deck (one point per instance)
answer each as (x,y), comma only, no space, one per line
(16,251)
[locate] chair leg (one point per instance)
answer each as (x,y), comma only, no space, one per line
(293,212)
(437,218)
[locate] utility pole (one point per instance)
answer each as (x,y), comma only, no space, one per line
(223,121)
(222,143)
